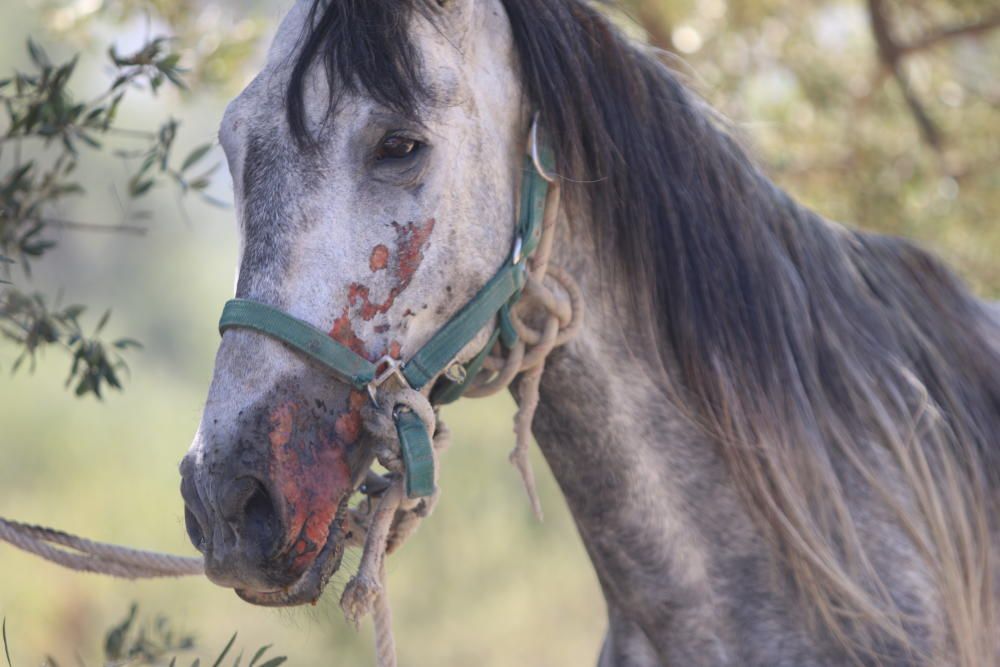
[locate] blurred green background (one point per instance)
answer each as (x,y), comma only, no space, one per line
(482,583)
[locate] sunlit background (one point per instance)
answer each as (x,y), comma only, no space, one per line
(482,583)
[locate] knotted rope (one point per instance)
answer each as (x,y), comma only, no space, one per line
(560,313)
(388,518)
(382,526)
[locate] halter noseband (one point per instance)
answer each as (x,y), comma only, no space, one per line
(437,356)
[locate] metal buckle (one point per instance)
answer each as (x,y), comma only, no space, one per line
(456,372)
(534,151)
(518,244)
(393,367)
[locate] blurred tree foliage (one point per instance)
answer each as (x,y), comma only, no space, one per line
(45,130)
(881,113)
(215,39)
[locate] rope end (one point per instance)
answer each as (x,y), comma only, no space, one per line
(519,459)
(359,598)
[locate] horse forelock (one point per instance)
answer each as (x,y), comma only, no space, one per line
(362,47)
(821,360)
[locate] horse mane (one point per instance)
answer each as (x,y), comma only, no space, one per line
(817,357)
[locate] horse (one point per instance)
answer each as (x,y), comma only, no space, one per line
(777,435)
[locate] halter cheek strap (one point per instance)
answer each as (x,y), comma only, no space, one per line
(437,355)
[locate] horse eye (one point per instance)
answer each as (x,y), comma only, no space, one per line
(395,147)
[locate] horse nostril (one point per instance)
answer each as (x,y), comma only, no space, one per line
(261,525)
(194,531)
(194,511)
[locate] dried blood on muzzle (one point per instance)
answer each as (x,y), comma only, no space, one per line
(309,469)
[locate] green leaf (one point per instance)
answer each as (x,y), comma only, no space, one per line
(68,189)
(126,343)
(89,140)
(113,110)
(139,188)
(38,55)
(37,248)
(6,647)
(222,656)
(258,655)
(114,642)
(175,78)
(103,321)
(169,62)
(195,155)
(274,662)
(112,378)
(148,162)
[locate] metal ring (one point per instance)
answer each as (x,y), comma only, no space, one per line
(518,244)
(393,368)
(534,151)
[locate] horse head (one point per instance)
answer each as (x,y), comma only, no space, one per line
(375,195)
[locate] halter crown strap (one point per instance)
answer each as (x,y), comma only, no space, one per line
(495,298)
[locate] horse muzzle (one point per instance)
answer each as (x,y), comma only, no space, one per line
(266,499)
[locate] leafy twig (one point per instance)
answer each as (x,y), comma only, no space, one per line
(39,104)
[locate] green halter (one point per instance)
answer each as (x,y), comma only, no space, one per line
(437,356)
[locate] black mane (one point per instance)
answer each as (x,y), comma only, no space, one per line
(364,46)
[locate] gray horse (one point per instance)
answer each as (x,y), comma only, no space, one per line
(777,436)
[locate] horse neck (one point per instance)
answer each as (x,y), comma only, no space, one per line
(648,494)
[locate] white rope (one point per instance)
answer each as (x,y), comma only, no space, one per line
(383,526)
(385,643)
(83,555)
